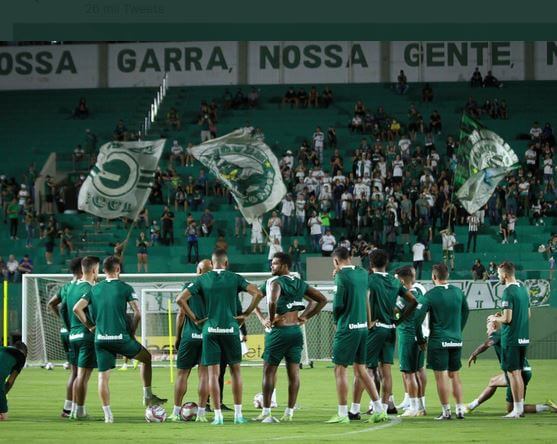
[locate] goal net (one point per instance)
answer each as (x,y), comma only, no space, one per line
(157,293)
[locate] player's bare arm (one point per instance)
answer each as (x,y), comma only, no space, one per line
(317,302)
(134,305)
(79,310)
(273,299)
(182,301)
(256,296)
(53,304)
(481,348)
(10,381)
(180,321)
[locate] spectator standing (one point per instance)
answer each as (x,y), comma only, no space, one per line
(173,119)
(318,139)
(274,247)
(142,244)
(300,207)
(287,214)
(402,83)
(50,235)
(193,242)
(167,224)
(476,81)
(448,240)
(295,251)
(13,217)
(274,224)
(473,226)
(418,250)
(327,243)
(207,222)
(314,224)
(257,235)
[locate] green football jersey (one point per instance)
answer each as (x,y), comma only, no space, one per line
(197,305)
(350,300)
(220,289)
(64,311)
(78,331)
(410,329)
(448,313)
(292,291)
(11,359)
(516,298)
(109,304)
(384,291)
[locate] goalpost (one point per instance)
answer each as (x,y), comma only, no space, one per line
(40,328)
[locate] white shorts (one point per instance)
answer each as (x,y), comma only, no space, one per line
(256,237)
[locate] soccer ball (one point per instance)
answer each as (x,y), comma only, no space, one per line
(66,366)
(258,401)
(188,412)
(49,366)
(155,413)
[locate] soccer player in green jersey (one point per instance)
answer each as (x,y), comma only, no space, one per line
(82,346)
(515,335)
(189,345)
(501,380)
(411,343)
(285,299)
(107,303)
(384,290)
(219,288)
(58,306)
(352,316)
(12,361)
(448,313)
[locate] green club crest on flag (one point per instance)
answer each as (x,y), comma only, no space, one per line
(247,167)
(484,159)
(120,182)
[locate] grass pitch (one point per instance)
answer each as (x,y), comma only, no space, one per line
(36,401)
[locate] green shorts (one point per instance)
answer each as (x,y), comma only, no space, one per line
(3,398)
(512,357)
(107,351)
(448,255)
(408,355)
(65,339)
(189,353)
(216,345)
(284,343)
(350,346)
(526,376)
(380,346)
(442,359)
(82,354)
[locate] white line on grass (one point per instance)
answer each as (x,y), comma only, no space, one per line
(392,422)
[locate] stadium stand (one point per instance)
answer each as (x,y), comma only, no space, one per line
(35,123)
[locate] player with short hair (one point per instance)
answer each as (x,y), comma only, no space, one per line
(189,346)
(384,290)
(107,303)
(82,346)
(284,340)
(352,316)
(411,344)
(12,361)
(515,336)
(220,287)
(501,380)
(57,304)
(448,313)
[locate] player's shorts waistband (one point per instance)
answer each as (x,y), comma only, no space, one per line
(380,324)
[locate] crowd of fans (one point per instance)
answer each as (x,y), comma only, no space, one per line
(392,190)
